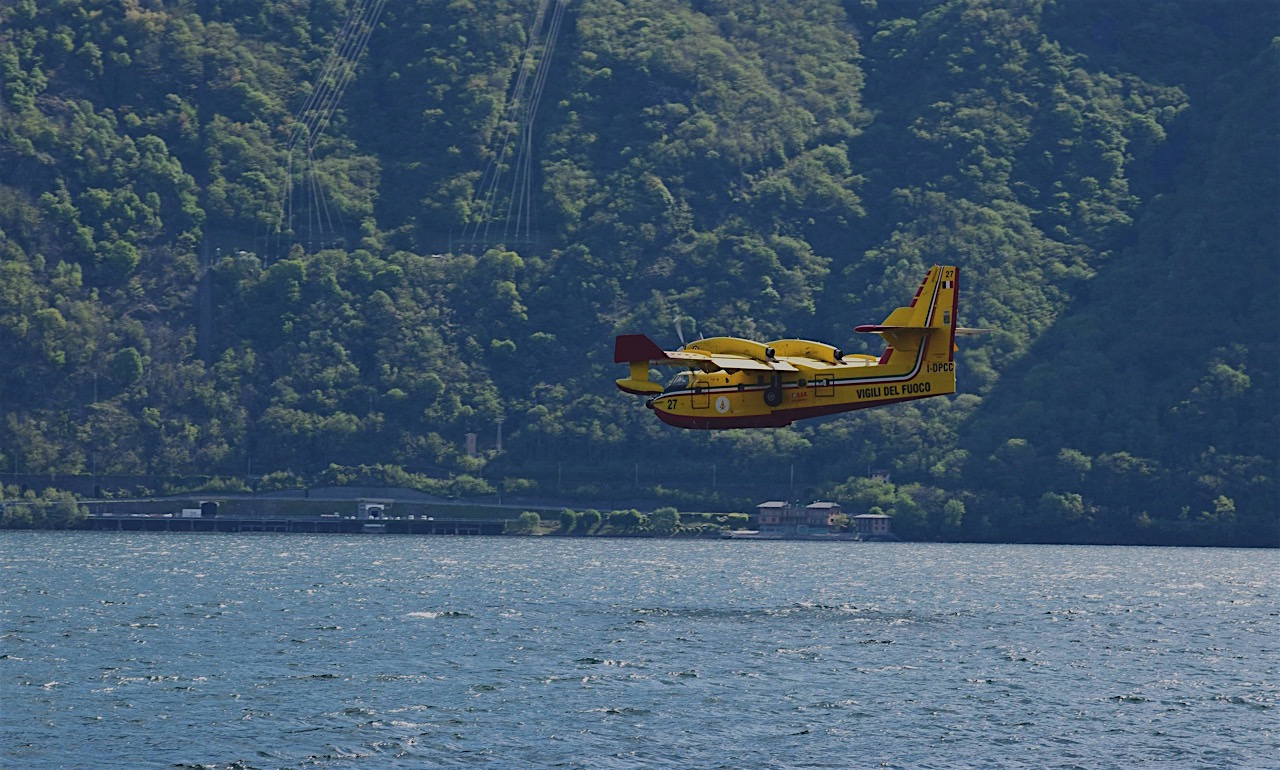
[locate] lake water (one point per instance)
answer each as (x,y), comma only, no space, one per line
(137,650)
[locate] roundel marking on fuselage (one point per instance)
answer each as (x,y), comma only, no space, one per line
(722,404)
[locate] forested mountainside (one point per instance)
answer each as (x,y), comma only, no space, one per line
(263,243)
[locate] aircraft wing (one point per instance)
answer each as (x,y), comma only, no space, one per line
(629,348)
(747,364)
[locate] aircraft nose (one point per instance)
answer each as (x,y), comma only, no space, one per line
(649,401)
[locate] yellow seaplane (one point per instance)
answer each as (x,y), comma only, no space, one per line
(736,383)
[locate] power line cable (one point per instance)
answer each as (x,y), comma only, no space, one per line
(515,111)
(315,116)
(522,186)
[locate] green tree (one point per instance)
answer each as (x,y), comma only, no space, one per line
(665,521)
(589,521)
(627,521)
(568,521)
(49,509)
(527,524)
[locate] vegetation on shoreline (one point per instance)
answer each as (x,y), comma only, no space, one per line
(184,293)
(662,522)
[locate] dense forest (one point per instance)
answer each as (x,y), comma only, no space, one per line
(259,244)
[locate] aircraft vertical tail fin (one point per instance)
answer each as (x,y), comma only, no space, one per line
(929,321)
(638,351)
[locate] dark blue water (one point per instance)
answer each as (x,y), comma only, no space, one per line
(294,651)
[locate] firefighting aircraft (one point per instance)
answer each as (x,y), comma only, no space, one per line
(737,383)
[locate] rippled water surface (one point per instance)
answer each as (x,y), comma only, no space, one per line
(137,650)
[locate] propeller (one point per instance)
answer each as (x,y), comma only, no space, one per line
(680,329)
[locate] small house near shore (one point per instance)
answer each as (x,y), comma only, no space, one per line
(790,519)
(874,526)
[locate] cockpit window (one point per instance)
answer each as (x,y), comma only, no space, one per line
(679,382)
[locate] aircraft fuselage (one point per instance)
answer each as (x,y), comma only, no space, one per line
(742,399)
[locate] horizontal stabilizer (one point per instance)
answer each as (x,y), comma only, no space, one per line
(874,328)
(636,347)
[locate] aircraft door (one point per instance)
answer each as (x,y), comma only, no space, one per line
(701,398)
